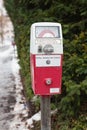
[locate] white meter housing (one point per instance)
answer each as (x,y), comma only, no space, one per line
(46,38)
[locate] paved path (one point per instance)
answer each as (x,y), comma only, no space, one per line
(7,88)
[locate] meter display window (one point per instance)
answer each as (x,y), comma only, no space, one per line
(47,31)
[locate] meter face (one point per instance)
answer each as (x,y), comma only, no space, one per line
(47,31)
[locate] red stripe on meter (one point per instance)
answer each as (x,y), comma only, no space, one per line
(45,32)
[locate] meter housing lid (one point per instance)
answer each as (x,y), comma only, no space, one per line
(46,34)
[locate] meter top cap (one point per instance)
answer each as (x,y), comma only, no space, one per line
(46,37)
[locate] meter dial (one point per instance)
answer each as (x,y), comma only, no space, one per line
(48,49)
(47,31)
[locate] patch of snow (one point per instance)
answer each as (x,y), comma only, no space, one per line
(15,67)
(20,107)
(36,117)
(5,51)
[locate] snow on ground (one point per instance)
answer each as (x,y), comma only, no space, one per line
(2,8)
(36,117)
(20,112)
(9,67)
(20,109)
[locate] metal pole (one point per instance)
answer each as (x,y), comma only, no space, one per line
(45,113)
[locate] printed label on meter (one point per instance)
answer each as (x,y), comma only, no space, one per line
(48,60)
(54,90)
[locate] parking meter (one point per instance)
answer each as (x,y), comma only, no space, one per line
(46,52)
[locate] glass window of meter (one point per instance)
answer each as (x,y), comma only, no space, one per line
(47,31)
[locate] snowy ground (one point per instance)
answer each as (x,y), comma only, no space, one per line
(13,107)
(12,102)
(6,89)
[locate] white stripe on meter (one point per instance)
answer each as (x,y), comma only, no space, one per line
(48,60)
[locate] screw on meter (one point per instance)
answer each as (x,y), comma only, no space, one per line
(48,81)
(46,52)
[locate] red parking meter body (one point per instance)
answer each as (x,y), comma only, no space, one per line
(46,56)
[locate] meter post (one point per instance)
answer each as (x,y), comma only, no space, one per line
(45,113)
